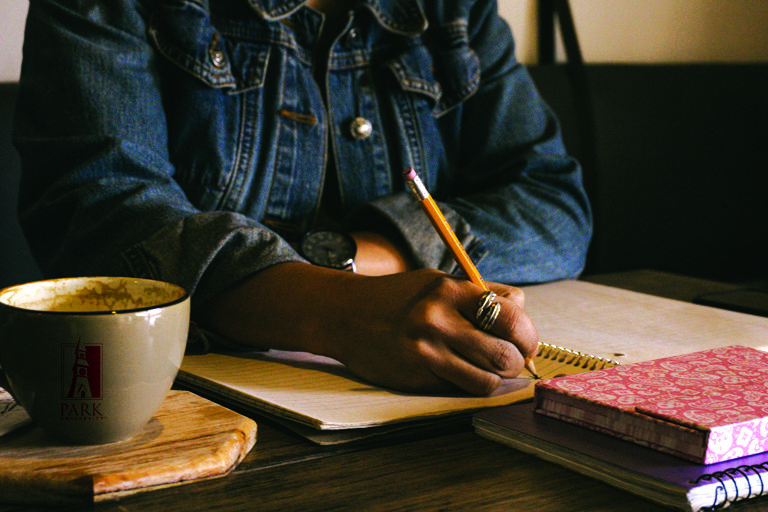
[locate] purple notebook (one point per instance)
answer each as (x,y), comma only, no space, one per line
(659,477)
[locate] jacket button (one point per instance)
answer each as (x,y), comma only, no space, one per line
(216,54)
(351,37)
(361,128)
(217,58)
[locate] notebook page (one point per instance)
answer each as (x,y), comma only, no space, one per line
(629,327)
(321,392)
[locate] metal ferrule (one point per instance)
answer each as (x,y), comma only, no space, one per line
(418,188)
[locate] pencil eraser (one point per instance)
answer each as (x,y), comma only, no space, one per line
(409,173)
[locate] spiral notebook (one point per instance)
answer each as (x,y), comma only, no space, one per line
(657,476)
(322,400)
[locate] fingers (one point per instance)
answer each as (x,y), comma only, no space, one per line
(477,359)
(460,353)
(489,353)
(511,326)
(514,325)
(467,376)
(424,333)
(512,293)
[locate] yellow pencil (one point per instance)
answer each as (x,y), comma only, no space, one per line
(448,237)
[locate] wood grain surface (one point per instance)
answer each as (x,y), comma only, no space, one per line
(189,438)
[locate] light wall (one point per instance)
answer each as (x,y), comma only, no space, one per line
(12,16)
(609,30)
(655,30)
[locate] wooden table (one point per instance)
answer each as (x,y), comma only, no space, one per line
(449,468)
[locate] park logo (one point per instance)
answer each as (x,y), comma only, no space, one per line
(81,381)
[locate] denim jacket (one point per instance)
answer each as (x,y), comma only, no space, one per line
(186,140)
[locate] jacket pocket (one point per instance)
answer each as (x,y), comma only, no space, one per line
(184,32)
(443,68)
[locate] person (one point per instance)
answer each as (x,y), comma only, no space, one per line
(200,142)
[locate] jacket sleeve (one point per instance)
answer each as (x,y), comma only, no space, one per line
(515,198)
(98,194)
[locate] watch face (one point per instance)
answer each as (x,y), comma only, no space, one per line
(329,249)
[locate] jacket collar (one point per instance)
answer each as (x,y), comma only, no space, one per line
(399,16)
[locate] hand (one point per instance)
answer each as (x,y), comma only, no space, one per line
(417,331)
(414,331)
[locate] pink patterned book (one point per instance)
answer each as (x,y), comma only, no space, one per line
(708,406)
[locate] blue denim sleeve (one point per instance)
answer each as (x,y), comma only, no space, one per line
(518,202)
(98,193)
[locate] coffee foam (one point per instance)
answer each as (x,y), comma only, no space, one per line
(90,295)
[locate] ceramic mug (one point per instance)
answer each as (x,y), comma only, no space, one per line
(92,358)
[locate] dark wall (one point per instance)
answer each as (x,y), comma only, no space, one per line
(16,264)
(678,172)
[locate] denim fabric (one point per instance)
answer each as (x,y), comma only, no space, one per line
(186,140)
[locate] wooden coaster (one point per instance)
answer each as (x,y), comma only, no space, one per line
(189,438)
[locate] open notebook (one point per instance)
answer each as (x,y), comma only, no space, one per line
(320,399)
(320,393)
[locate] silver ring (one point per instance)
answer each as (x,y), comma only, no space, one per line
(486,300)
(490,316)
(488,310)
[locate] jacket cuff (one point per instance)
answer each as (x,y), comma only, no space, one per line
(208,252)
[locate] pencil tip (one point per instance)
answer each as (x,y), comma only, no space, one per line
(531,369)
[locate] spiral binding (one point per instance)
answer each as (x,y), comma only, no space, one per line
(722,497)
(574,357)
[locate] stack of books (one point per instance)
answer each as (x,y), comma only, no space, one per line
(689,431)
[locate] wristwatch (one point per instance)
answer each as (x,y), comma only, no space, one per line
(331,249)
